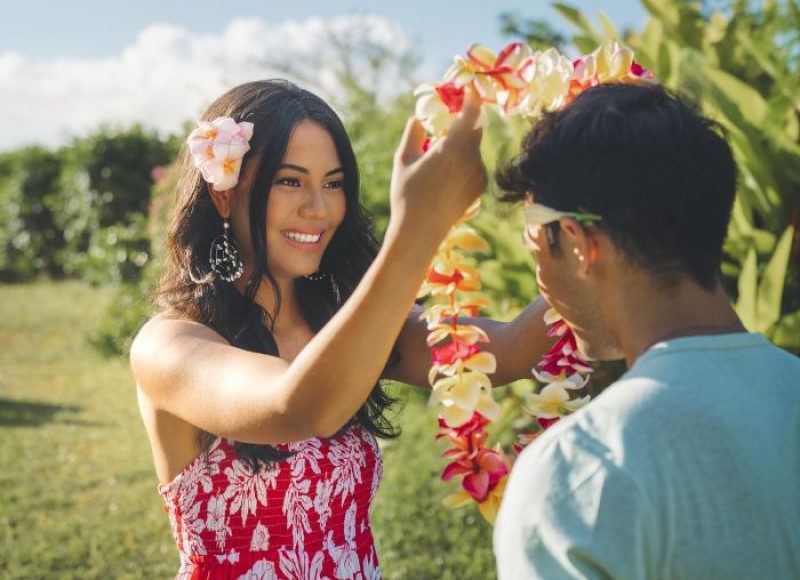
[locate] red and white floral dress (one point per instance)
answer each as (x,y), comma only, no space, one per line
(306,517)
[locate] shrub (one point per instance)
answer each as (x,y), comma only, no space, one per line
(29,235)
(103,199)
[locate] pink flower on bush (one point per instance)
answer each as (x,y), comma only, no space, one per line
(158,173)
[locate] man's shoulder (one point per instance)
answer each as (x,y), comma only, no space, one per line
(749,353)
(567,454)
(628,414)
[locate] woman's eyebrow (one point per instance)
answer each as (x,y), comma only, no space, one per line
(304,170)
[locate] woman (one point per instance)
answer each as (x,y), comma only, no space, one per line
(258,380)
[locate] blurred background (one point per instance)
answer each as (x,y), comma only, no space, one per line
(96,101)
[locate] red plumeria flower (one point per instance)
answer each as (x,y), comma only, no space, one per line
(497,78)
(452,96)
(482,468)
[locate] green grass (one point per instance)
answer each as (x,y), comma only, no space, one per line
(78,493)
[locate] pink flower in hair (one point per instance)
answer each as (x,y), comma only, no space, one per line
(218,148)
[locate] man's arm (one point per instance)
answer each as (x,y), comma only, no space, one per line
(517,345)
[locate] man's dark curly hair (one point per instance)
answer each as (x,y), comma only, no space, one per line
(660,175)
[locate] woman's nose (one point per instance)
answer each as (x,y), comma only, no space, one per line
(314,205)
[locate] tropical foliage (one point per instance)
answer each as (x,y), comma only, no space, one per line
(741,63)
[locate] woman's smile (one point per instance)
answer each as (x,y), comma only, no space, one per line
(307,240)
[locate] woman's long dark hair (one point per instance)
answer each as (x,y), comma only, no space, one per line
(188,285)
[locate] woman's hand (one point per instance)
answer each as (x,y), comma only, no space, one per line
(432,190)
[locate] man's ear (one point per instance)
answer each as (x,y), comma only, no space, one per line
(579,242)
(221,199)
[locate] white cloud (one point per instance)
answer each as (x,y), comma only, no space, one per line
(169,74)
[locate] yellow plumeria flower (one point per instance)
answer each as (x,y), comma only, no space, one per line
(462,395)
(466,333)
(554,400)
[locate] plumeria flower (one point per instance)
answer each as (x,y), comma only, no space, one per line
(470,306)
(435,114)
(488,508)
(217,149)
(462,395)
(563,357)
(556,323)
(548,75)
(491,505)
(554,400)
(574,382)
(640,72)
(436,107)
(466,238)
(497,78)
(449,273)
(456,356)
(462,436)
(484,471)
(609,63)
(481,472)
(463,333)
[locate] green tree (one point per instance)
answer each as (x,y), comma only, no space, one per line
(29,234)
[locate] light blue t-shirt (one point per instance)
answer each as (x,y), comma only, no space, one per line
(687,467)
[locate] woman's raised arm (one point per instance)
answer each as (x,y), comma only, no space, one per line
(188,370)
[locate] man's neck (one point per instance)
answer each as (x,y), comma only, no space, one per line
(644,315)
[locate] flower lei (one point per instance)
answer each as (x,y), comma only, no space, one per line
(519,81)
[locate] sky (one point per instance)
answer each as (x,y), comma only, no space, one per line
(68,66)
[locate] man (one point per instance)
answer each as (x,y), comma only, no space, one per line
(689,465)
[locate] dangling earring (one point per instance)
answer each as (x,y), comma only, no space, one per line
(337,293)
(316,276)
(224,256)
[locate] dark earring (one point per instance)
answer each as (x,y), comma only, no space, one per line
(337,293)
(224,256)
(316,276)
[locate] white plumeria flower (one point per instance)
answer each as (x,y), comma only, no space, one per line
(552,316)
(483,361)
(554,401)
(548,76)
(218,148)
(432,112)
(576,381)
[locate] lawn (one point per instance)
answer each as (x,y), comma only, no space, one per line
(77,488)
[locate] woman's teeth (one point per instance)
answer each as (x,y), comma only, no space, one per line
(303,238)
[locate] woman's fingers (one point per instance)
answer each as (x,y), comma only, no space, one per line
(410,148)
(465,127)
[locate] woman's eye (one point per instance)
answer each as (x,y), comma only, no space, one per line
(290,181)
(338,184)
